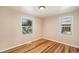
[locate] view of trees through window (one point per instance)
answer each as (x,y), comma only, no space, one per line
(26,26)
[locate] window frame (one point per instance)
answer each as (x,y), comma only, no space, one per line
(23,26)
(62,26)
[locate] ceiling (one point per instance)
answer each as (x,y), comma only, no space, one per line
(48,11)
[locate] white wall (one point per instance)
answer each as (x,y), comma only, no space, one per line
(11,36)
(52,29)
(10,33)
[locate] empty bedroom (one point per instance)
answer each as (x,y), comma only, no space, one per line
(39,29)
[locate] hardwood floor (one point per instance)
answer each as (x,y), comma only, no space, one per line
(43,46)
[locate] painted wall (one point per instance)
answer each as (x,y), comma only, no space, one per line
(10,29)
(51,29)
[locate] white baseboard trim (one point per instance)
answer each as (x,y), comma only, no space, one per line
(38,39)
(62,42)
(20,44)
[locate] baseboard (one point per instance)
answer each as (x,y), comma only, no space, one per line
(62,42)
(38,39)
(20,44)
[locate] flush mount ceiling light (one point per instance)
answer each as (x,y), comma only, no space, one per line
(42,7)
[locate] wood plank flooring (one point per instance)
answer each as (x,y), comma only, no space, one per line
(43,46)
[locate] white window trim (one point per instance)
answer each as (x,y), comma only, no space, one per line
(21,24)
(60,19)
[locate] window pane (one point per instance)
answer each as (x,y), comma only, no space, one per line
(66,23)
(26,26)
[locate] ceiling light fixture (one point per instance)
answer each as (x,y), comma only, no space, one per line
(42,7)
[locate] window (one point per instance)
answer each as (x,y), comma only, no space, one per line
(26,26)
(66,25)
